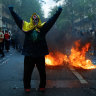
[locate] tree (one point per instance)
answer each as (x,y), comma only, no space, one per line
(76,9)
(73,10)
(25,8)
(29,7)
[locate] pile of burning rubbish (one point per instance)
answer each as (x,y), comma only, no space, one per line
(77,57)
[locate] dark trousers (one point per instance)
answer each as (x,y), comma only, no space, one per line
(7,45)
(1,50)
(29,64)
(3,45)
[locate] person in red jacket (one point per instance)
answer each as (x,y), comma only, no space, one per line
(7,40)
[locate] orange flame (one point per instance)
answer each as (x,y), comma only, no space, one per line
(77,57)
(55,59)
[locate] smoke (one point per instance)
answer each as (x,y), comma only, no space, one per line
(64,40)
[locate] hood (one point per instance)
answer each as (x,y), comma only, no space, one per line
(27,26)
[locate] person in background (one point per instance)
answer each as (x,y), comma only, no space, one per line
(35,46)
(1,43)
(7,40)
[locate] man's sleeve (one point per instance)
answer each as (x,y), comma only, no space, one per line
(52,20)
(17,19)
(2,36)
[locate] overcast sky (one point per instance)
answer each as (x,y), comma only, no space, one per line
(48,4)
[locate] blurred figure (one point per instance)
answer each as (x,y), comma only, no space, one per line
(13,42)
(1,43)
(7,40)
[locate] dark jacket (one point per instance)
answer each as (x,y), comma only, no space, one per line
(39,47)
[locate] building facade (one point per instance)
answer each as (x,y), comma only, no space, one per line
(0,16)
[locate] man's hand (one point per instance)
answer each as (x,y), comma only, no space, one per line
(60,8)
(11,7)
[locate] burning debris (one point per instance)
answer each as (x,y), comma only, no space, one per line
(55,59)
(77,58)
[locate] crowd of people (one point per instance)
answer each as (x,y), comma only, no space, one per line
(4,42)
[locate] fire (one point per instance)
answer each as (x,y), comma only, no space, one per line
(55,59)
(76,59)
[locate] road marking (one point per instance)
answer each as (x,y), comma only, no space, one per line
(5,61)
(81,79)
(2,59)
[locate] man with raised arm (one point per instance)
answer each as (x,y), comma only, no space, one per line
(35,46)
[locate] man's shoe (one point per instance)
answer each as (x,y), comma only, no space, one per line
(27,90)
(41,89)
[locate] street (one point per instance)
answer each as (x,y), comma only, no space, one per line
(61,80)
(66,29)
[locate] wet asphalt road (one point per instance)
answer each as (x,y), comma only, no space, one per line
(61,80)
